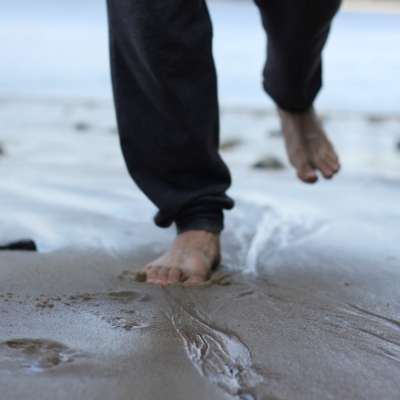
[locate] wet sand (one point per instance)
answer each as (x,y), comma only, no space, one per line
(312,310)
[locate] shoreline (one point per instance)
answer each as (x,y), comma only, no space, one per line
(392,7)
(374,6)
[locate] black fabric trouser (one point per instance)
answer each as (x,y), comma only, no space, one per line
(165,92)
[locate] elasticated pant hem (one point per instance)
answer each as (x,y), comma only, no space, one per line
(210,223)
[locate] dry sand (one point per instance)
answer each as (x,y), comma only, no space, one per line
(312,311)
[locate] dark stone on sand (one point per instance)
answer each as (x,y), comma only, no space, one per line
(269,163)
(26,245)
(82,126)
(375,118)
(275,133)
(229,144)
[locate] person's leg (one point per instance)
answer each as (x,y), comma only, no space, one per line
(165,94)
(297,31)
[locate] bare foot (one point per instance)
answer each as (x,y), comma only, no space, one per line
(189,259)
(307,145)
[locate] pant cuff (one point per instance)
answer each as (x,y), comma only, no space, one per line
(294,110)
(295,105)
(212,222)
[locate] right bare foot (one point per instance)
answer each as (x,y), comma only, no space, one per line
(307,145)
(190,259)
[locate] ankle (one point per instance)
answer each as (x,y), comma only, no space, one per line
(208,243)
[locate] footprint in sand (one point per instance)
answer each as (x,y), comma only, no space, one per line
(34,354)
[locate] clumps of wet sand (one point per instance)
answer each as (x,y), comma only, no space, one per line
(45,303)
(49,301)
(220,277)
(133,276)
(6,297)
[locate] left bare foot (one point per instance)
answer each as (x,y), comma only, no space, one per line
(307,146)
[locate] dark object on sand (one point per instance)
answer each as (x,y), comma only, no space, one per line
(275,133)
(229,144)
(137,276)
(82,126)
(375,118)
(398,146)
(26,245)
(269,163)
(1,149)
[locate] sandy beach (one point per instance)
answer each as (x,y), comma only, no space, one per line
(305,304)
(312,309)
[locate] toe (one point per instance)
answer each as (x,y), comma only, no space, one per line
(162,276)
(306,173)
(332,160)
(334,164)
(151,274)
(174,275)
(321,161)
(324,167)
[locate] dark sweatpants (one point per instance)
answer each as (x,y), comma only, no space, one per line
(165,94)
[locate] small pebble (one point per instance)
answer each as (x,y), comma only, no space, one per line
(269,163)
(229,144)
(275,133)
(82,126)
